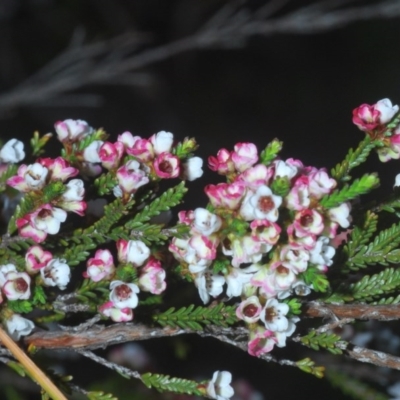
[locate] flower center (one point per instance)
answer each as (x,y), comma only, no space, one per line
(250,310)
(266,204)
(123,291)
(306,220)
(165,166)
(281,270)
(270,314)
(20,285)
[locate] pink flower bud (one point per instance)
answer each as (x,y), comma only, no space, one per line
(116,314)
(244,156)
(152,277)
(110,154)
(72,130)
(37,258)
(100,267)
(130,177)
(167,166)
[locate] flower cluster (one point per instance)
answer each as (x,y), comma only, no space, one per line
(264,235)
(123,296)
(42,180)
(381,121)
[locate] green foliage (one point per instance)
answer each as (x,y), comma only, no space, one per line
(25,206)
(353,159)
(294,306)
(164,383)
(38,143)
(371,287)
(39,296)
(349,192)
(93,292)
(325,340)
(8,173)
(270,152)
(353,387)
(220,266)
(86,141)
(126,273)
(281,186)
(20,306)
(381,251)
(361,235)
(170,198)
(105,183)
(195,317)
(313,276)
(186,148)
(100,396)
(307,365)
(152,300)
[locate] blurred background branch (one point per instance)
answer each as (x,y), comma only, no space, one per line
(122,60)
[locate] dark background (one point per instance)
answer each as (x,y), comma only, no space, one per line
(300,87)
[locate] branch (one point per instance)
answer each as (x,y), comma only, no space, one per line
(118,60)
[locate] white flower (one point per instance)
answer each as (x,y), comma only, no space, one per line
(386,109)
(124,294)
(4,270)
(17,286)
(273,316)
(162,142)
(75,190)
(48,219)
(91,153)
(262,204)
(322,253)
(397,181)
(341,215)
(193,168)
(12,152)
(56,273)
(137,252)
(209,285)
(205,222)
(283,170)
(18,326)
(282,335)
(219,387)
(35,176)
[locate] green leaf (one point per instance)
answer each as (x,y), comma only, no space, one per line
(353,159)
(20,306)
(195,317)
(164,383)
(185,149)
(100,396)
(270,152)
(381,251)
(328,341)
(294,306)
(313,276)
(167,200)
(349,192)
(307,365)
(39,296)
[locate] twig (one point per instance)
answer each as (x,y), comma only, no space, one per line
(34,371)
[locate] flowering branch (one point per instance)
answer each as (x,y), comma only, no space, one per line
(274,233)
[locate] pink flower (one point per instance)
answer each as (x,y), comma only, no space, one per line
(142,149)
(130,177)
(249,310)
(366,117)
(261,341)
(244,156)
(27,228)
(30,177)
(108,309)
(320,183)
(256,176)
(299,195)
(72,130)
(223,163)
(124,294)
(17,286)
(110,154)
(167,166)
(59,169)
(308,222)
(265,231)
(127,139)
(226,195)
(100,267)
(152,277)
(36,258)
